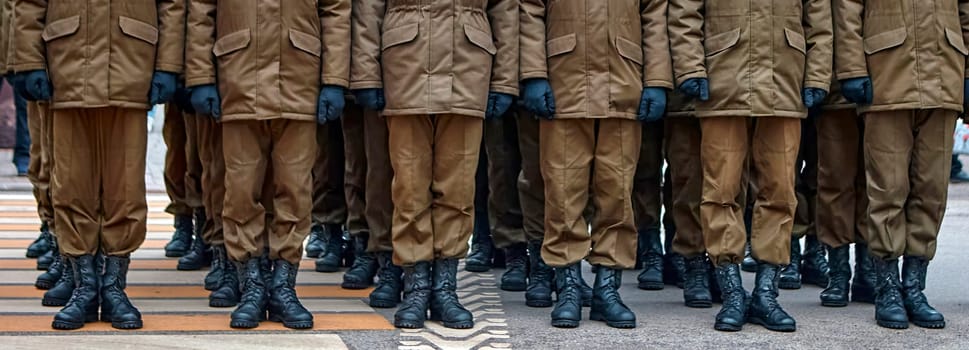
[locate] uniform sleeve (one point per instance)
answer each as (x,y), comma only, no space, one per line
(335,21)
(9,55)
(658,65)
(964,19)
(30,51)
(505,29)
(849,58)
(686,39)
(171,36)
(365,67)
(820,44)
(533,58)
(199,60)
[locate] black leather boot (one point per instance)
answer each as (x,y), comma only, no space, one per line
(115,306)
(482,250)
(389,283)
(332,256)
(607,305)
(814,267)
(47,279)
(84,303)
(255,298)
(696,289)
(61,292)
(316,242)
(764,309)
(44,261)
(182,238)
(836,293)
(226,292)
(284,306)
(790,277)
(749,264)
(674,269)
(863,285)
(220,263)
(515,278)
(540,278)
(444,305)
(364,268)
(889,308)
(914,270)
(412,311)
(42,244)
(584,288)
(651,278)
(197,258)
(568,309)
(733,313)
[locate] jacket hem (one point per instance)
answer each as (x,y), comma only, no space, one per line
(748,113)
(117,104)
(255,116)
(610,115)
(425,111)
(909,106)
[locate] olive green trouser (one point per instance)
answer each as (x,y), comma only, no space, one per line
(841,204)
(368,177)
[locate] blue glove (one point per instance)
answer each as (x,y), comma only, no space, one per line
(329,107)
(372,99)
(697,88)
(538,98)
(652,106)
(183,99)
(857,90)
(498,105)
(37,85)
(813,97)
(163,86)
(206,101)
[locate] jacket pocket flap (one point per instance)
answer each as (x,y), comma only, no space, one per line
(480,38)
(61,28)
(630,50)
(956,40)
(400,35)
(231,43)
(795,40)
(139,29)
(721,42)
(306,42)
(886,40)
(560,45)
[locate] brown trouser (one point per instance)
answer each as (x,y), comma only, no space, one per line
(504,166)
(772,143)
(842,203)
(39,125)
(182,164)
(806,181)
(434,159)
(329,196)
(580,157)
(648,182)
(209,136)
(250,147)
(908,155)
(686,177)
(99,179)
(368,177)
(531,186)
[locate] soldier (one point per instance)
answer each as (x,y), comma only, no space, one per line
(268,121)
(647,205)
(756,67)
(593,87)
(907,136)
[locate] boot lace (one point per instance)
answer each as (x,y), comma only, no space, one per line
(652,260)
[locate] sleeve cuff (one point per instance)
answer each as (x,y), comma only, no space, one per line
(169,67)
(366,84)
(663,83)
(852,74)
(823,85)
(695,74)
(26,67)
(199,81)
(505,89)
(338,81)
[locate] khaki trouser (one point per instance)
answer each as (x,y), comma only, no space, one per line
(841,204)
(648,182)
(250,147)
(531,186)
(504,166)
(908,155)
(329,198)
(772,143)
(806,181)
(686,178)
(368,177)
(434,159)
(183,186)
(583,157)
(99,179)
(209,133)
(40,127)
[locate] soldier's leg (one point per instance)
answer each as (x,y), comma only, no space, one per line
(364,266)
(805,190)
(379,211)
(199,255)
(246,147)
(329,200)
(54,276)
(504,207)
(531,194)
(173,132)
(647,204)
(23,140)
(37,116)
(483,255)
(686,178)
(222,278)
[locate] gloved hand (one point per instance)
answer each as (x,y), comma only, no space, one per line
(857,90)
(813,97)
(183,99)
(538,98)
(498,105)
(698,88)
(162,87)
(652,106)
(372,99)
(37,85)
(19,83)
(206,101)
(329,106)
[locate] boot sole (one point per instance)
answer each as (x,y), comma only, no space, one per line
(826,303)
(539,303)
(223,303)
(930,325)
(409,324)
(44,284)
(785,328)
(383,304)
(291,325)
(458,325)
(53,302)
(565,323)
(613,324)
(789,285)
(65,325)
(243,324)
(651,285)
(514,287)
(356,285)
(127,325)
(699,304)
(477,268)
(892,324)
(726,327)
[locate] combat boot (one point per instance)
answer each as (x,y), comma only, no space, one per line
(696,289)
(389,284)
(412,311)
(316,242)
(364,268)
(749,264)
(226,292)
(568,309)
(198,257)
(889,308)
(540,277)
(42,244)
(255,298)
(836,293)
(482,251)
(444,304)
(115,305)
(182,238)
(790,277)
(44,261)
(284,306)
(764,308)
(733,313)
(607,305)
(914,270)
(220,263)
(61,292)
(814,267)
(651,278)
(863,285)
(47,279)
(332,256)
(84,302)
(585,290)
(515,278)
(674,269)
